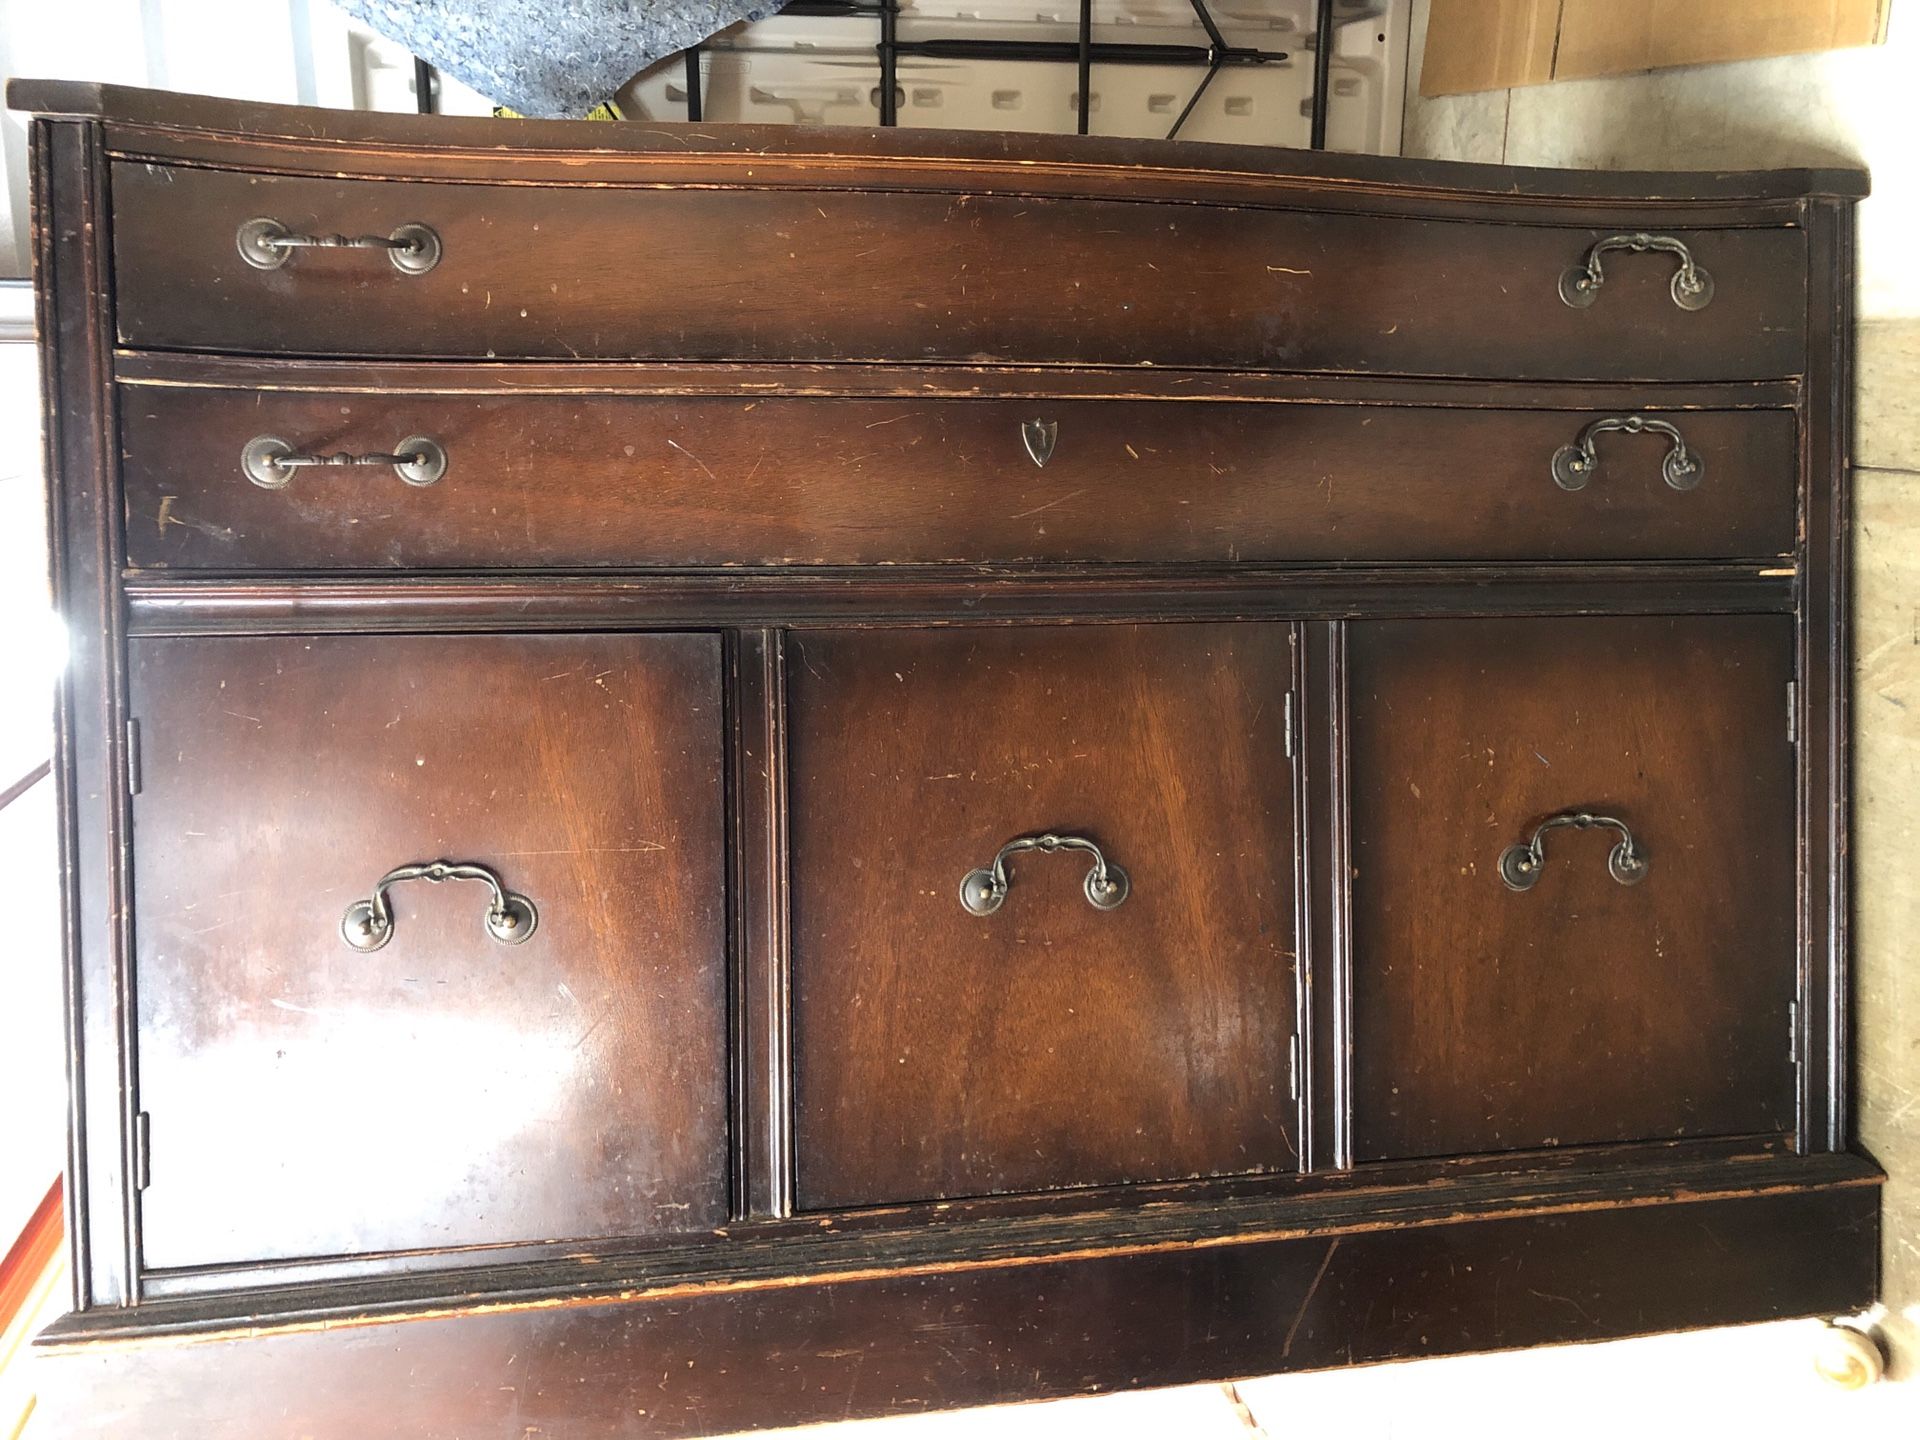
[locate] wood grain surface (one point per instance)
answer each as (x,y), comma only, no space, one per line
(939,1053)
(1581,1010)
(307,1099)
(590,273)
(603,481)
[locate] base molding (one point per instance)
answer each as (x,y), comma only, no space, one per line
(883,1343)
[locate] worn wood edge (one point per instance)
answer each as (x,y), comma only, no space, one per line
(1325,965)
(1823,1240)
(937,176)
(74,298)
(164,369)
(163,604)
(843,174)
(1837,1063)
(205,115)
(761,1067)
(1071,1202)
(52,459)
(1297,749)
(732,1260)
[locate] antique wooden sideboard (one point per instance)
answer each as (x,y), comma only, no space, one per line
(722,777)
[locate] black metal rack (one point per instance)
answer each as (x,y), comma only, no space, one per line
(1085,52)
(1215,55)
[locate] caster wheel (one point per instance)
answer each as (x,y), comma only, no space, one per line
(1847,1358)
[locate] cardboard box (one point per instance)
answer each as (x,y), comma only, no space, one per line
(1494,44)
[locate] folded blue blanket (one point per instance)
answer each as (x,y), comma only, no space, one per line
(546,58)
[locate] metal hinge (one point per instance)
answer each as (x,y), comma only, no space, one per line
(1286,726)
(1293,1066)
(133,757)
(1793,1032)
(142,1147)
(1793,713)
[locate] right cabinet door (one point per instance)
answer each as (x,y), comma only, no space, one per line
(1573,911)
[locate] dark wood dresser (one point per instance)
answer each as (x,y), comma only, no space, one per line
(716,778)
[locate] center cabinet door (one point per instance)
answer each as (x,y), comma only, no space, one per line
(448,1088)
(1050,1043)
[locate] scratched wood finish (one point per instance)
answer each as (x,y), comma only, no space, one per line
(372,604)
(939,1053)
(600,480)
(74,327)
(1581,1010)
(1823,640)
(1370,414)
(704,1365)
(227,133)
(528,271)
(446,1090)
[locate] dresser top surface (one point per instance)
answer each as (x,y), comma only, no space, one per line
(157,115)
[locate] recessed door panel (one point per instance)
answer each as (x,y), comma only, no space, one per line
(1573,883)
(1113,1004)
(462,1070)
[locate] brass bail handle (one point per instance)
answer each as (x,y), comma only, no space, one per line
(1574,465)
(984,891)
(368,924)
(1691,286)
(1520,865)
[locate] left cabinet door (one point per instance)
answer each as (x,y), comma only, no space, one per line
(450,1088)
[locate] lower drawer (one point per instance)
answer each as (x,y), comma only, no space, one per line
(317,1083)
(1573,910)
(546,480)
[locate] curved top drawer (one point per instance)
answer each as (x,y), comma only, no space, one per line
(739,274)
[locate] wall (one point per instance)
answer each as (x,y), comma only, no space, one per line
(1849,107)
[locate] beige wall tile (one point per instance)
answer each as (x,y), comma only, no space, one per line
(1457,127)
(1887,382)
(1886,853)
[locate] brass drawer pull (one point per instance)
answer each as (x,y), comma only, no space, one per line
(1573,465)
(984,891)
(271,462)
(368,924)
(1520,865)
(1692,286)
(267,245)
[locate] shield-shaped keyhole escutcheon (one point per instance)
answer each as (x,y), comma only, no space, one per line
(1039,436)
